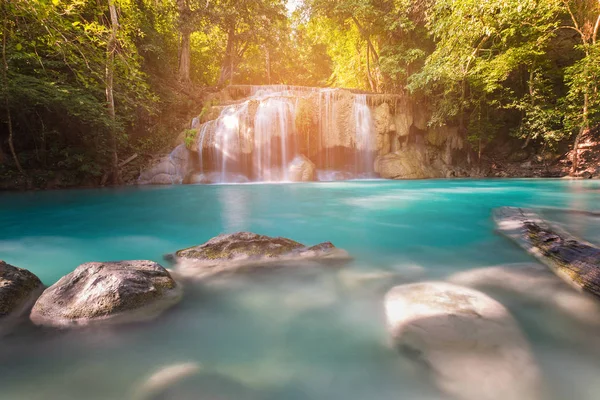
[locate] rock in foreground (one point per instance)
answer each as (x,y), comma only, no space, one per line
(19,289)
(469,342)
(241,251)
(575,261)
(117,292)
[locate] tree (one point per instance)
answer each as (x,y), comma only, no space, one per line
(582,77)
(245,22)
(5,32)
(467,71)
(192,17)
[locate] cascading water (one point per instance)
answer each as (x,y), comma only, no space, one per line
(273,138)
(364,126)
(259,137)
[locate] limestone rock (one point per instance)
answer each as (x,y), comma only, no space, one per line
(302,170)
(470,343)
(409,163)
(575,261)
(101,292)
(19,289)
(242,251)
(169,170)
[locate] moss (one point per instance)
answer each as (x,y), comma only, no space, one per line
(189,137)
(229,247)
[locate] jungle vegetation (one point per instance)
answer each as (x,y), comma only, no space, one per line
(86,84)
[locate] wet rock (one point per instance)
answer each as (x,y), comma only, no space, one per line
(302,170)
(469,342)
(575,261)
(19,289)
(107,292)
(241,251)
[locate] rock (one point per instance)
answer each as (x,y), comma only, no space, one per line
(242,251)
(302,170)
(164,379)
(470,343)
(575,261)
(536,284)
(169,170)
(409,163)
(189,381)
(19,289)
(527,165)
(103,292)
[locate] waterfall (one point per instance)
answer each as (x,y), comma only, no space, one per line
(273,137)
(364,139)
(257,135)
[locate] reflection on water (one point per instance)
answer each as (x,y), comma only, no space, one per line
(311,334)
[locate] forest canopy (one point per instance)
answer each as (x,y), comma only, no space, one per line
(87,83)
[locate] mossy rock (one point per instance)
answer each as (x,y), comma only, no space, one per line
(245,250)
(123,291)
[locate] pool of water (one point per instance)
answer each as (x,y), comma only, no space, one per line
(313,335)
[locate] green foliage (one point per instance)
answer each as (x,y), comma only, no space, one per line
(529,68)
(190,137)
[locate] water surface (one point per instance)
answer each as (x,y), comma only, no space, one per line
(313,335)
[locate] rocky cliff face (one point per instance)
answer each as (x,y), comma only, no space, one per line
(258,131)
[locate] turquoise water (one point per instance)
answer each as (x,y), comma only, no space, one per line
(317,335)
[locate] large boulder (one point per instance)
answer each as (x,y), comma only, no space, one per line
(302,170)
(470,343)
(574,260)
(169,170)
(242,251)
(117,292)
(19,289)
(409,163)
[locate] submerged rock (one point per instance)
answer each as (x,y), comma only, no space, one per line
(469,342)
(575,261)
(117,292)
(302,170)
(191,381)
(536,284)
(19,289)
(240,251)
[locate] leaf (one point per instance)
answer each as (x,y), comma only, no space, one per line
(56,2)
(19,47)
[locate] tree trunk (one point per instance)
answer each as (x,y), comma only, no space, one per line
(268,64)
(369,76)
(5,87)
(111,49)
(227,64)
(185,57)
